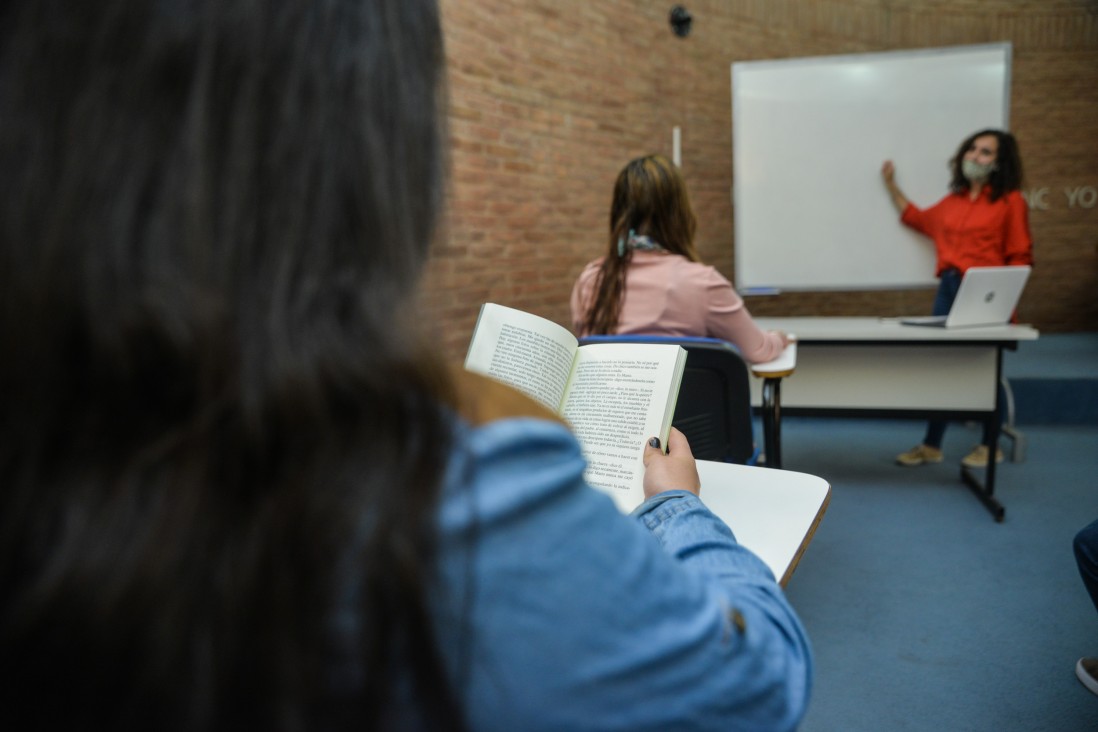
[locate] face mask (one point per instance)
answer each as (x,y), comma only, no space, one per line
(976,171)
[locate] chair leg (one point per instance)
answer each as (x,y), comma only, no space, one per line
(772,415)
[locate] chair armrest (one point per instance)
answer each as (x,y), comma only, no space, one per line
(784,365)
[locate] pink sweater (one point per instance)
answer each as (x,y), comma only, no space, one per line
(667,294)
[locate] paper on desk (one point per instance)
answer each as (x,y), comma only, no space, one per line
(773,513)
(786,361)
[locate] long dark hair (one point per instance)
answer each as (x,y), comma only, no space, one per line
(1007,174)
(220,453)
(650,199)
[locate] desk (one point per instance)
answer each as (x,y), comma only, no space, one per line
(878,367)
(774,513)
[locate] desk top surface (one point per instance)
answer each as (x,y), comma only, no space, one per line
(890,329)
(774,513)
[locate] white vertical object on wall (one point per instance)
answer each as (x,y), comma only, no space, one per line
(676,145)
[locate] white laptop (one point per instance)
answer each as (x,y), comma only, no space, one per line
(987,296)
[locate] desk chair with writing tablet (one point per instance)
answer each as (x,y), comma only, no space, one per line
(714,407)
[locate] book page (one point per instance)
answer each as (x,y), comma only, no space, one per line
(621,394)
(525,351)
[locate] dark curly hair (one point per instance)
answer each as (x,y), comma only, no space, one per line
(1007,174)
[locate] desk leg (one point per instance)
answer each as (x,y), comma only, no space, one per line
(772,421)
(985,491)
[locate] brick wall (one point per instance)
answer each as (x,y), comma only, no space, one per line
(549,98)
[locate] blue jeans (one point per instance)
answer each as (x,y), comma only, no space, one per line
(1086,556)
(948,284)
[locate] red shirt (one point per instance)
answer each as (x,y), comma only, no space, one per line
(980,233)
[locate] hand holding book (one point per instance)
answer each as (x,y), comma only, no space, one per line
(675,470)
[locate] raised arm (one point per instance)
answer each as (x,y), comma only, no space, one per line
(888,173)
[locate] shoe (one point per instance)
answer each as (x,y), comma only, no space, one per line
(1087,672)
(978,457)
(918,455)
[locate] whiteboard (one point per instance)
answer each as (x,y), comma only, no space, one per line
(809,136)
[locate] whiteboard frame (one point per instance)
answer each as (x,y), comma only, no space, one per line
(813,165)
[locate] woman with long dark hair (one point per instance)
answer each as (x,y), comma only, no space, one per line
(237,491)
(651,279)
(982,222)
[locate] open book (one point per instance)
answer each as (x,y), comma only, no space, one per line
(614,395)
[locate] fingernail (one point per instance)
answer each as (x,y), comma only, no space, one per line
(655,442)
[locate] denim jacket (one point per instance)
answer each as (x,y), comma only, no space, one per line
(556,612)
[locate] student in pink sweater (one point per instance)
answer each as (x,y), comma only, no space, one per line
(651,280)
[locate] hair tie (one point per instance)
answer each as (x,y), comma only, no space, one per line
(642,243)
(638,243)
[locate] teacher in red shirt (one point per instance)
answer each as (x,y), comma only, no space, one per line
(983,222)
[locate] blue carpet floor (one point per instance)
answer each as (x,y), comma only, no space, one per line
(924,613)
